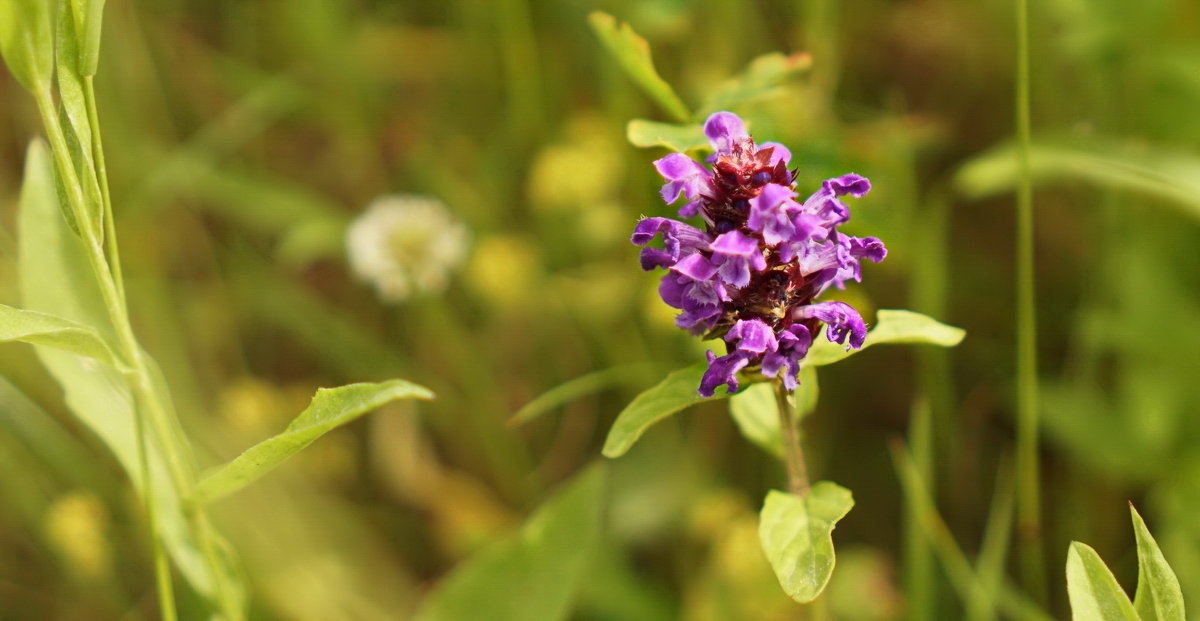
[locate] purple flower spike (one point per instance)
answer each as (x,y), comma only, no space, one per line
(724,130)
(722,371)
(737,254)
(841,321)
(753,336)
(794,342)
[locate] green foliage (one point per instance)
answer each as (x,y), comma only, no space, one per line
(1096,596)
(42,329)
(330,409)
(643,133)
(88,16)
(891,327)
(578,387)
(1158,597)
(534,574)
(73,114)
(632,52)
(756,413)
(675,392)
(797,536)
(1094,592)
(27,41)
(763,76)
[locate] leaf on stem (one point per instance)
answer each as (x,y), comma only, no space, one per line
(796,533)
(27,42)
(643,133)
(892,326)
(74,117)
(1158,597)
(534,574)
(88,17)
(330,408)
(633,54)
(37,328)
(675,392)
(1094,593)
(762,76)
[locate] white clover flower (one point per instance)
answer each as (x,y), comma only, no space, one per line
(405,245)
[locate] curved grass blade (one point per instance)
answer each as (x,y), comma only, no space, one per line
(330,408)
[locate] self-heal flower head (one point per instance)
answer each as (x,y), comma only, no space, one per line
(751,272)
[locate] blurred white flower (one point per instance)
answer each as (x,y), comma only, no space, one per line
(405,245)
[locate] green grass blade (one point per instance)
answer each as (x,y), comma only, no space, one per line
(330,408)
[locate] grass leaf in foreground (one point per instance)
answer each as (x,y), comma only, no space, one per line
(1094,592)
(534,574)
(892,326)
(633,54)
(796,533)
(1158,595)
(330,408)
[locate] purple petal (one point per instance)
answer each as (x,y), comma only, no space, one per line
(725,129)
(695,266)
(735,244)
(841,321)
(753,336)
(779,153)
(852,184)
(769,214)
(684,176)
(722,371)
(679,239)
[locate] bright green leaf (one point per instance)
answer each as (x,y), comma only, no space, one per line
(1153,171)
(762,76)
(578,387)
(88,17)
(330,408)
(27,41)
(796,533)
(37,328)
(892,326)
(1158,597)
(633,54)
(96,394)
(643,133)
(676,392)
(73,113)
(756,412)
(533,575)
(1094,592)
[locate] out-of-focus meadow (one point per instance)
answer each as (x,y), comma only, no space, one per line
(242,138)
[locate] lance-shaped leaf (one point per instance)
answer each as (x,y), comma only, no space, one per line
(633,54)
(796,533)
(643,133)
(330,408)
(676,392)
(1158,597)
(36,328)
(27,41)
(534,574)
(1094,593)
(892,326)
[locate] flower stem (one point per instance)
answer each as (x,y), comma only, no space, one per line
(1028,482)
(793,454)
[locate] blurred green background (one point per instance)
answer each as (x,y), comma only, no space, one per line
(243,136)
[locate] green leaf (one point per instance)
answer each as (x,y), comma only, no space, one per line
(633,54)
(1094,592)
(88,17)
(27,41)
(892,326)
(1154,171)
(55,278)
(643,133)
(756,413)
(796,533)
(1158,597)
(676,392)
(533,575)
(576,388)
(74,118)
(37,328)
(762,76)
(330,408)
